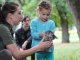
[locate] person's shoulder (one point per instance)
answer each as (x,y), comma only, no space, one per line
(51,21)
(3,27)
(18,30)
(34,20)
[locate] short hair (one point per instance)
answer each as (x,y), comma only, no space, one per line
(45,5)
(24,19)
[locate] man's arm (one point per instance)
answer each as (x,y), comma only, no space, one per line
(26,42)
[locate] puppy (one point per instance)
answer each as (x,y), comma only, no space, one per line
(49,36)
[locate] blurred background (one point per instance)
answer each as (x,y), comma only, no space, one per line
(66,15)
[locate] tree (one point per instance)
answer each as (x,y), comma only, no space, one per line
(22,2)
(2,1)
(61,7)
(75,7)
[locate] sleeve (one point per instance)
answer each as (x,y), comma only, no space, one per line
(29,39)
(6,35)
(33,27)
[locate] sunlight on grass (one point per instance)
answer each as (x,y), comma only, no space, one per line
(67,52)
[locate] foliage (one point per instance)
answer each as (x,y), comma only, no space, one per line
(62,6)
(2,1)
(30,8)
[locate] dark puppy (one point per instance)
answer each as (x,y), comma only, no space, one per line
(49,36)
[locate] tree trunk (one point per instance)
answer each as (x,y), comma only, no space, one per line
(64,24)
(75,7)
(65,34)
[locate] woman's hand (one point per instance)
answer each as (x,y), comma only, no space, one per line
(44,45)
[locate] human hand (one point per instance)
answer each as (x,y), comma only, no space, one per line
(42,35)
(21,49)
(24,45)
(44,45)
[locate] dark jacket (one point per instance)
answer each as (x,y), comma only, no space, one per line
(22,36)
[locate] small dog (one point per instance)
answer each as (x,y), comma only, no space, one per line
(49,36)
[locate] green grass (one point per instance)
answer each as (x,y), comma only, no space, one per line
(70,51)
(67,51)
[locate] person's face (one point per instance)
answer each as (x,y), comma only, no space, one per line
(16,17)
(44,14)
(26,23)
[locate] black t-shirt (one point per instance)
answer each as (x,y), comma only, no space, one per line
(21,35)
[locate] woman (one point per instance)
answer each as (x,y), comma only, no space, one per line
(10,15)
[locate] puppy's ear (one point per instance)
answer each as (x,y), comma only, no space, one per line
(54,37)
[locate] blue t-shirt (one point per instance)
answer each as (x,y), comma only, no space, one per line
(37,27)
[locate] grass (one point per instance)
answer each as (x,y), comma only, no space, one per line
(67,51)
